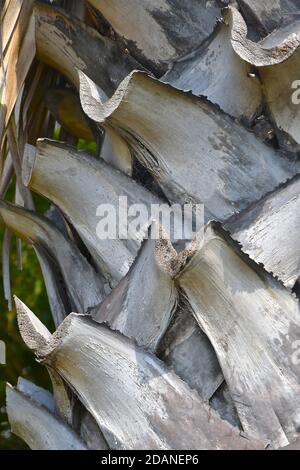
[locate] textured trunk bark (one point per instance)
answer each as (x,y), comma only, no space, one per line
(161,341)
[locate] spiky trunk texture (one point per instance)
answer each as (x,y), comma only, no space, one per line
(157,346)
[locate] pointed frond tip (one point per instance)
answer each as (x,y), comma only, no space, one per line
(94,103)
(259,55)
(127,375)
(34,333)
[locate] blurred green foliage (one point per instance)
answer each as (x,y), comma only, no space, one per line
(87,146)
(28,285)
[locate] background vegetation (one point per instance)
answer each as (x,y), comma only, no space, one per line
(28,285)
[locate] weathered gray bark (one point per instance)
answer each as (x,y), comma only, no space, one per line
(131,387)
(142,305)
(223,403)
(160,31)
(204,157)
(265,69)
(252,322)
(37,426)
(68,45)
(217,72)
(277,60)
(269,231)
(264,17)
(56,170)
(85,287)
(189,352)
(167,350)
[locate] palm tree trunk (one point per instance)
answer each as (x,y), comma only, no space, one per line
(161,341)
